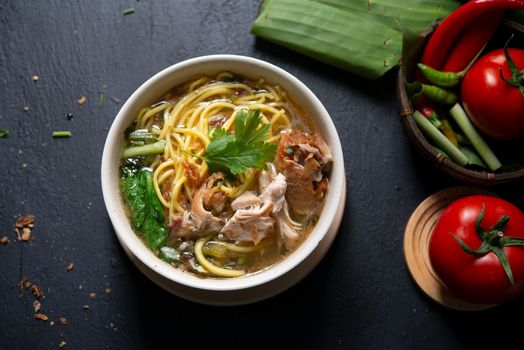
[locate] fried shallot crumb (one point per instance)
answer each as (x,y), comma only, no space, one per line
(41,317)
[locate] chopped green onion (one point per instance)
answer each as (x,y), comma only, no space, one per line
(145,150)
(141,135)
(61,134)
(169,254)
(4,133)
(482,148)
(439,139)
(128,11)
(101,100)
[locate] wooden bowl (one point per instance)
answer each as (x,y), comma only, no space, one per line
(472,176)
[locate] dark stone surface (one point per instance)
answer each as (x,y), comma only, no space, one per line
(360,296)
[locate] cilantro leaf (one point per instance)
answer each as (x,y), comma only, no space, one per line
(245,148)
(246,127)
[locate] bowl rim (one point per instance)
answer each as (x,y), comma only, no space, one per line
(114,204)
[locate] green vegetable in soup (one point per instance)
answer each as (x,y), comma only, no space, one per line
(144,150)
(147,216)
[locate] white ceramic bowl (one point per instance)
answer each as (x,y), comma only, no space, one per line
(245,289)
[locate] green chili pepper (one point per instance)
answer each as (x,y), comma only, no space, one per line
(439,95)
(442,79)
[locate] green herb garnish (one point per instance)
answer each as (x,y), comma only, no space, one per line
(128,11)
(245,148)
(147,215)
(57,134)
(4,133)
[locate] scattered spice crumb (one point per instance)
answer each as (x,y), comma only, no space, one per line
(63,321)
(4,240)
(36,305)
(82,100)
(113,327)
(86,307)
(92,296)
(22,282)
(108,290)
(24,220)
(18,236)
(62,344)
(70,267)
(26,234)
(26,108)
(35,77)
(41,317)
(51,323)
(25,223)
(37,292)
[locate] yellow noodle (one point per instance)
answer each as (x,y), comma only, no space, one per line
(216,270)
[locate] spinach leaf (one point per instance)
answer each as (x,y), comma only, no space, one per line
(147,215)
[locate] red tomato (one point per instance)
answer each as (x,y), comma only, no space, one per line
(494,106)
(479,278)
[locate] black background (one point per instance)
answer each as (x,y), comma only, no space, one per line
(360,296)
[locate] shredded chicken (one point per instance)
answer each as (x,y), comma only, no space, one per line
(199,222)
(255,216)
(304,159)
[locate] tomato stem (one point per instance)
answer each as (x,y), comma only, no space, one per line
(493,241)
(517,77)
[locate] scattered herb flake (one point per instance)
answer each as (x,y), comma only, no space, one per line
(101,100)
(128,11)
(65,133)
(4,133)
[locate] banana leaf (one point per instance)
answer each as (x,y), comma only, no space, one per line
(362,37)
